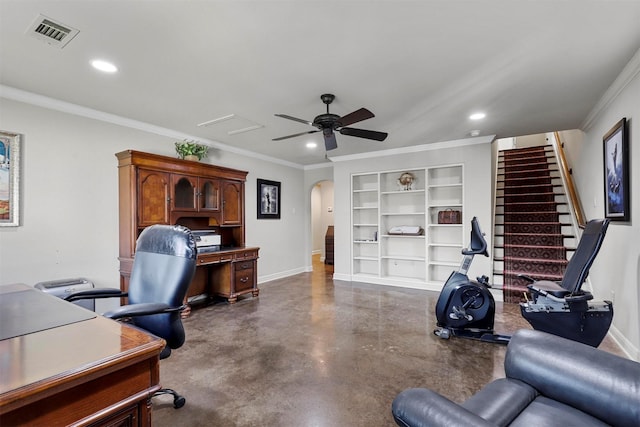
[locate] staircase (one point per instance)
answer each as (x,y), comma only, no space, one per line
(533,231)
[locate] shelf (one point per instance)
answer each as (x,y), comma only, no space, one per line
(403,258)
(445,263)
(365,225)
(446,205)
(365,241)
(404,236)
(386,193)
(372,190)
(402,214)
(444,185)
(365,258)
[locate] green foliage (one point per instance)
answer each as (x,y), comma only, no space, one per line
(190,148)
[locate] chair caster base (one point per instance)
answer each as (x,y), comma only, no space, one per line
(178,400)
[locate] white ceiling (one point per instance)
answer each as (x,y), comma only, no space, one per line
(422,67)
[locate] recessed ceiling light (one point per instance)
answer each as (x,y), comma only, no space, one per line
(311,145)
(474,132)
(477,116)
(105,66)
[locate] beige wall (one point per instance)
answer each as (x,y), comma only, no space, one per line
(69,200)
(615,274)
(474,154)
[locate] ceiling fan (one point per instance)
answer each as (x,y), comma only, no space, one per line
(328,123)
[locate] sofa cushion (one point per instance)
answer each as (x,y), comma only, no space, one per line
(501,401)
(547,412)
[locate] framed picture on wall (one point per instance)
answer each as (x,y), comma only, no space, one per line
(616,173)
(268,199)
(9,179)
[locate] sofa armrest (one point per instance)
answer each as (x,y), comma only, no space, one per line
(420,407)
(501,401)
(598,383)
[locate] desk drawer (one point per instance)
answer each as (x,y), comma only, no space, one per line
(245,265)
(244,277)
(214,258)
(250,254)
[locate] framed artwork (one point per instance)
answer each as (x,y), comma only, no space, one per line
(9,179)
(616,173)
(268,199)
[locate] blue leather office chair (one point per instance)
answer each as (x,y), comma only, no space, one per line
(163,267)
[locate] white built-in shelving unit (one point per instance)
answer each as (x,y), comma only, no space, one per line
(379,203)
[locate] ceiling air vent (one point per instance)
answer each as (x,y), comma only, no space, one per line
(51,32)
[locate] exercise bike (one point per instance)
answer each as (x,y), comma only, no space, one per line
(466,307)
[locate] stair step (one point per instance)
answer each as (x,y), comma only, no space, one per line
(523,208)
(523,151)
(552,277)
(511,156)
(529,173)
(534,164)
(516,187)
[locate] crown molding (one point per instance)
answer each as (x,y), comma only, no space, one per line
(416,148)
(629,72)
(26,97)
(318,166)
(19,95)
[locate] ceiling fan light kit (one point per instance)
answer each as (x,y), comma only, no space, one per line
(329,123)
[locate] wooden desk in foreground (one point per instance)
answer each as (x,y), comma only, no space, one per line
(91,372)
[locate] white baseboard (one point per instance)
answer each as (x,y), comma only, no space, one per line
(627,347)
(345,277)
(283,274)
(385,281)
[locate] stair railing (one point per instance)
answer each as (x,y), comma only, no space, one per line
(567,178)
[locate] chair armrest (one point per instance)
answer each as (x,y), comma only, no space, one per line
(142,309)
(420,407)
(95,294)
(582,296)
(526,277)
(548,289)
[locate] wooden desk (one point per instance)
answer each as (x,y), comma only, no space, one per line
(91,372)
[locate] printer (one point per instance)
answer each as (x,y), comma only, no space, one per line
(207,240)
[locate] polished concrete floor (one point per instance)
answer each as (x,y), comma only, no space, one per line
(310,351)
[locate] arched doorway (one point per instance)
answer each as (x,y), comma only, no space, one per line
(321,219)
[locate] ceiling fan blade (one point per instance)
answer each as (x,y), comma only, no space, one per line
(356,116)
(330,142)
(362,133)
(294,135)
(295,119)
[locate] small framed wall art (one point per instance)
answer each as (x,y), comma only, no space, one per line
(9,179)
(268,199)
(616,173)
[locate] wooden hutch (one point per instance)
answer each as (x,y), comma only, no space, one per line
(156,189)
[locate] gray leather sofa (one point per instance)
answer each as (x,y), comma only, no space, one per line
(550,381)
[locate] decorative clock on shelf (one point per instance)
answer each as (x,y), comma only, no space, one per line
(406,180)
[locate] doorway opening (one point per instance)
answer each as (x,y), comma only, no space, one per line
(321,225)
